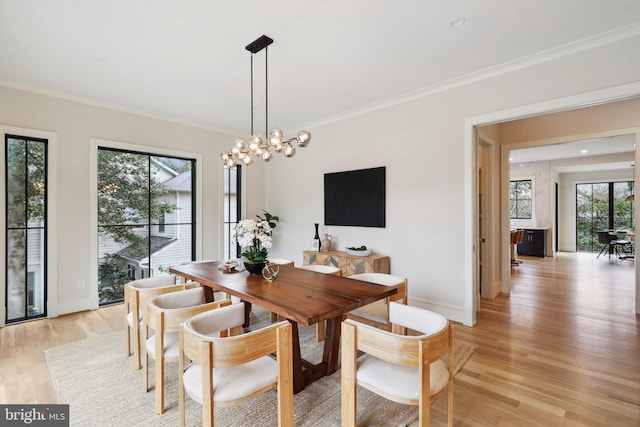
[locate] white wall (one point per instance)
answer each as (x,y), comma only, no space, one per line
(74,124)
(422,144)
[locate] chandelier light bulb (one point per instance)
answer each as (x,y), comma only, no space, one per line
(257,139)
(248,160)
(303,138)
(277,132)
(266,156)
(231,164)
(275,140)
(289,150)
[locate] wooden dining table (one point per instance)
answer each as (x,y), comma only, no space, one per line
(299,296)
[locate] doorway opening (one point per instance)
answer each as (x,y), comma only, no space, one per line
(551,109)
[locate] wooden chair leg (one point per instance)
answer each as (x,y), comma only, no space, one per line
(127,331)
(145,362)
(159,374)
(348,376)
(136,345)
(285,376)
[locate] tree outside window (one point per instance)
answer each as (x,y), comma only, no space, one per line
(145,222)
(520,192)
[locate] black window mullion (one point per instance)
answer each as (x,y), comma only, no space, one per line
(25,227)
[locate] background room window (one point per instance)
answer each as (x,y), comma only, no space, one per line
(26,227)
(145,220)
(520,192)
(232,209)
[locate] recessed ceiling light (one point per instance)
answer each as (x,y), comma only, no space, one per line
(457,21)
(583,151)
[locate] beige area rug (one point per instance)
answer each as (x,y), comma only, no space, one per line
(102,389)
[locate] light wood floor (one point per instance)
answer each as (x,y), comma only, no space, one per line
(563,349)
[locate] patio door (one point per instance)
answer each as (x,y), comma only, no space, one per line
(602,206)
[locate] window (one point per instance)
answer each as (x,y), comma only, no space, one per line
(26,227)
(521,203)
(145,221)
(161,226)
(232,192)
(602,206)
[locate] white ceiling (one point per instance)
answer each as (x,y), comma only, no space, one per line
(588,148)
(184,60)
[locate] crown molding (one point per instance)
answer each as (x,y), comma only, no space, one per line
(582,45)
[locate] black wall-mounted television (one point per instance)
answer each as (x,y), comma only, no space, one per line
(355,198)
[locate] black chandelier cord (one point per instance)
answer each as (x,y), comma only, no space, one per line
(252,94)
(266,91)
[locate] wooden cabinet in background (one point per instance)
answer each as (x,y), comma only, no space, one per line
(348,264)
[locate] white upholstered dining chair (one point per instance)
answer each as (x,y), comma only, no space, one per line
(407,369)
(377,313)
(227,368)
(164,314)
(136,294)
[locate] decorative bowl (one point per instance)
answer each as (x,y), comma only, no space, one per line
(353,252)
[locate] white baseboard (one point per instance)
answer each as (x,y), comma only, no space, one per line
(456,314)
(74,306)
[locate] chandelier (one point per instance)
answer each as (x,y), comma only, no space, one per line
(242,152)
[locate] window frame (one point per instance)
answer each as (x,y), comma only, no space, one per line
(228,227)
(94,144)
(516,200)
(28,271)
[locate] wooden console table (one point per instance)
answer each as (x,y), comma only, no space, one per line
(348,264)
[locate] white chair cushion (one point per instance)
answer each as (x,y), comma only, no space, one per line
(376,311)
(179,299)
(171,345)
(130,316)
(209,323)
(326,269)
(380,278)
(154,282)
(415,318)
(234,382)
(402,382)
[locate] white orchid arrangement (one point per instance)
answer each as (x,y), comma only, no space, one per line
(255,238)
